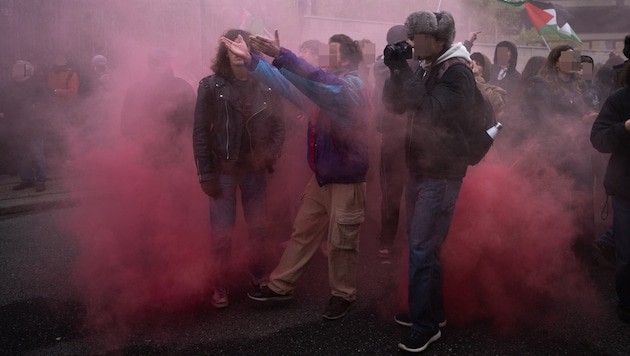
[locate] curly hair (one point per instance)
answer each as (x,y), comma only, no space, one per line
(221,63)
(348,49)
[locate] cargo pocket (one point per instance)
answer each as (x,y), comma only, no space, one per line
(346,231)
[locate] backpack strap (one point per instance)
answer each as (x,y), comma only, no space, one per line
(449,62)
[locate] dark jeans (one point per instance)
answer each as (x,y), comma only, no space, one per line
(253,189)
(621,225)
(430,205)
(392,171)
(32,162)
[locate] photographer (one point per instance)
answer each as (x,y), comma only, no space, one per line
(437,98)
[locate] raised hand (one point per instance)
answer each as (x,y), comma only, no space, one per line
(265,45)
(238,47)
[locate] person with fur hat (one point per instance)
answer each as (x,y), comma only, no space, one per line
(482,68)
(437,99)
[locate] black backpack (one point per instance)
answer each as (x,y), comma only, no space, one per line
(481,117)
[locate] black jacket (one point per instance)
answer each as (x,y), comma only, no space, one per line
(609,135)
(512,77)
(436,146)
(219,126)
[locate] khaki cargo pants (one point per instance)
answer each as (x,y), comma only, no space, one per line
(335,212)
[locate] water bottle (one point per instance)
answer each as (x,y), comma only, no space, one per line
(494,130)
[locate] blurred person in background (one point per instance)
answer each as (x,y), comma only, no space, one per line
(482,68)
(237,139)
(504,73)
(559,108)
(157,110)
(392,168)
(63,83)
(24,106)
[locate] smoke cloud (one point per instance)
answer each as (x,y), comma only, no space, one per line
(142,220)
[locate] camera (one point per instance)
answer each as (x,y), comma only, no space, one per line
(398,51)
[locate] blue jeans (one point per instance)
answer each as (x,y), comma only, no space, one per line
(32,162)
(253,189)
(621,233)
(430,205)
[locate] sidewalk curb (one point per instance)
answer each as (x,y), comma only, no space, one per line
(35,203)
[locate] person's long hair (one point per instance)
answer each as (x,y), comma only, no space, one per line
(550,72)
(221,63)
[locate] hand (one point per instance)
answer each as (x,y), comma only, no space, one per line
(472,37)
(396,64)
(627,125)
(212,188)
(588,118)
(238,47)
(265,45)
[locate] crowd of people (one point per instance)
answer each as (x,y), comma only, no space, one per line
(38,106)
(558,109)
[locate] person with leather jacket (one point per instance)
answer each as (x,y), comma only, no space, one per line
(238,134)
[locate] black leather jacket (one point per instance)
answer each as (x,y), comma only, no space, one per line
(219,125)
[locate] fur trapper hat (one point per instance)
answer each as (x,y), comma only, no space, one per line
(439,24)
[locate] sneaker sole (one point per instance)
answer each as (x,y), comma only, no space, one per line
(270,299)
(404,323)
(336,317)
(220,305)
(435,338)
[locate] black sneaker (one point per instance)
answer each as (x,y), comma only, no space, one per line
(624,314)
(337,308)
(405,320)
(418,342)
(23,185)
(264,294)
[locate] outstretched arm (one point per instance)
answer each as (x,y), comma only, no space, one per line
(238,47)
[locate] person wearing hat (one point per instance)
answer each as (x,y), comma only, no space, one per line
(437,98)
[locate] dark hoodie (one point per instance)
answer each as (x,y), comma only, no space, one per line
(510,81)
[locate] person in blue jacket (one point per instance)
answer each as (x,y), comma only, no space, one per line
(333,202)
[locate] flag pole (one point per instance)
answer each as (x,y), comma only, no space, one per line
(546,44)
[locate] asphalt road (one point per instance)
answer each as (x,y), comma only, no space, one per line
(41,313)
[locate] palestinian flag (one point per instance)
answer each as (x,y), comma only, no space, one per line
(550,18)
(547,18)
